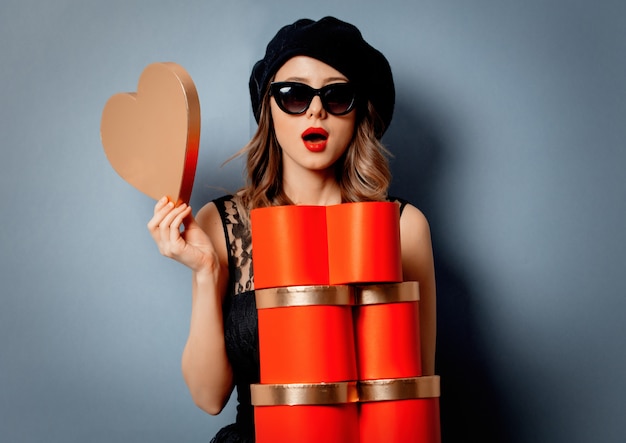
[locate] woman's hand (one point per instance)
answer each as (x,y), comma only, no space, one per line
(191,247)
(205,365)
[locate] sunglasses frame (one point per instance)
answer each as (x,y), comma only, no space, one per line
(275,87)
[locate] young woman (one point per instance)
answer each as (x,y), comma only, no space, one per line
(323,97)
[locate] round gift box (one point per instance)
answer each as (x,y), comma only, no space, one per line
(387,331)
(306,413)
(400,410)
(364,243)
(306,334)
(289,246)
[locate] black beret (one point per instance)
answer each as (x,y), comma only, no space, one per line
(338,44)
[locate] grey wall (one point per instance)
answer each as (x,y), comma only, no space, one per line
(509,134)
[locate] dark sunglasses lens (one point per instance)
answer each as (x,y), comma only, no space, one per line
(295,98)
(338,99)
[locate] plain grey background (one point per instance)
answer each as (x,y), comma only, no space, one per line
(509,134)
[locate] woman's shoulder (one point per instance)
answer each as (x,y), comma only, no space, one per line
(218,208)
(231,209)
(209,212)
(222,202)
(223,199)
(217,214)
(410,216)
(407,209)
(414,216)
(399,201)
(416,243)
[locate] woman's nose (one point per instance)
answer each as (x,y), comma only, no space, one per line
(316,109)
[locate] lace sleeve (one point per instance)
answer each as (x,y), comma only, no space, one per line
(239,241)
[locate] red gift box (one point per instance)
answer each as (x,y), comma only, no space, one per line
(387,331)
(306,413)
(306,334)
(290,246)
(364,243)
(400,410)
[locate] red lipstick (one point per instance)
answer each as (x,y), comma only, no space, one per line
(315,139)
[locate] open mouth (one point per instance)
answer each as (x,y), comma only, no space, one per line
(315,135)
(315,139)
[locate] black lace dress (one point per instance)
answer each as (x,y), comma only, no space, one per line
(240,319)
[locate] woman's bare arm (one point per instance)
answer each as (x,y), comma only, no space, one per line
(201,247)
(418,265)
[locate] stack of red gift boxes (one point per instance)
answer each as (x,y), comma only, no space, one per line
(338,329)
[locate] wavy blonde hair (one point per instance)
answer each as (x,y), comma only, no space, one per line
(362,172)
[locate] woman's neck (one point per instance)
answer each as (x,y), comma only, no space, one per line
(317,188)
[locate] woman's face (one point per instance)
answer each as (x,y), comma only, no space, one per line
(316,139)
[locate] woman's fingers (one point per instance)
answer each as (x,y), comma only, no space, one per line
(161,209)
(191,247)
(178,216)
(161,204)
(169,228)
(165,225)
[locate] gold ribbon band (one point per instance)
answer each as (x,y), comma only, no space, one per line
(303,394)
(399,389)
(304,296)
(387,293)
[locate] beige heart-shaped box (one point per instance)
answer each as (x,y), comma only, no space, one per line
(151,137)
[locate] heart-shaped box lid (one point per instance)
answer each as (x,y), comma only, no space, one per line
(151,137)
